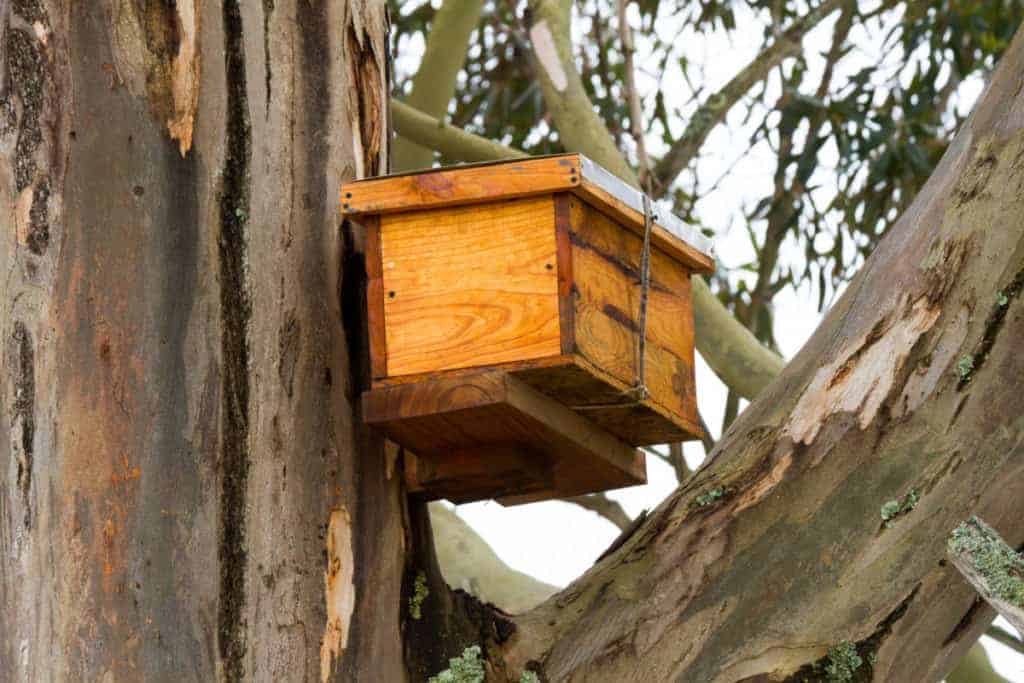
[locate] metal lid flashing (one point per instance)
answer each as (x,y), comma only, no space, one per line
(632,197)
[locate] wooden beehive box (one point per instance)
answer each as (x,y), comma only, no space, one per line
(504,314)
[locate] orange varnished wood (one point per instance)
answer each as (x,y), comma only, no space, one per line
(470,286)
(457,186)
(606,264)
(692,258)
(566,212)
(468,475)
(375,298)
(597,395)
(457,423)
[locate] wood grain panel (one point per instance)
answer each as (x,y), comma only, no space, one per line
(461,185)
(459,425)
(606,267)
(610,346)
(375,298)
(567,211)
(470,286)
(581,385)
(633,220)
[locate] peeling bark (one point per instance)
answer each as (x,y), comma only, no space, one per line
(774,557)
(340,590)
(179,394)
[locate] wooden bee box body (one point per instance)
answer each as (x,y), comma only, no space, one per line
(530,269)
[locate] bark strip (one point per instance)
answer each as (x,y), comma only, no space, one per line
(235,311)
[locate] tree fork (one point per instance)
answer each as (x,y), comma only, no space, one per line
(730,586)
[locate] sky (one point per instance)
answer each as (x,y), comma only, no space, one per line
(555,541)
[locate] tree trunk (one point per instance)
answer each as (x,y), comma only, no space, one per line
(188,492)
(814,539)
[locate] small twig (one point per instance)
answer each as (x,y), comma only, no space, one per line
(605,507)
(636,127)
(678,462)
(707,440)
(715,108)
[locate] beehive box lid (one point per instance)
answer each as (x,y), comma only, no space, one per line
(491,181)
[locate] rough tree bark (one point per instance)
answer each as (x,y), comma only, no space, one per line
(904,405)
(187,494)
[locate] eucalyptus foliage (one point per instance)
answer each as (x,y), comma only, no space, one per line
(853,123)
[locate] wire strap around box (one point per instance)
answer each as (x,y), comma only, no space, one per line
(638,392)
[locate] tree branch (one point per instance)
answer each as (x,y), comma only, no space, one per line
(433,86)
(729,348)
(453,142)
(469,563)
(580,129)
(975,667)
(806,469)
(636,127)
(603,506)
(992,567)
(1004,637)
(717,106)
(678,462)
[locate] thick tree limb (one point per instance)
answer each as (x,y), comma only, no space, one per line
(992,567)
(580,129)
(449,140)
(785,516)
(469,563)
(733,352)
(715,108)
(433,86)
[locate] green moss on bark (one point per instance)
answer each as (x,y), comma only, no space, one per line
(1000,566)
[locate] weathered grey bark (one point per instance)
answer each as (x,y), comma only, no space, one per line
(186,492)
(912,383)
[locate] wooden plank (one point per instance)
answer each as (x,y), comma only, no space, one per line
(483,291)
(581,386)
(633,220)
(606,263)
(603,281)
(611,346)
(567,212)
(469,475)
(459,423)
(511,367)
(461,185)
(374,297)
(481,183)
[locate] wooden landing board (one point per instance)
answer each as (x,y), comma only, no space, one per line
(484,291)
(488,435)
